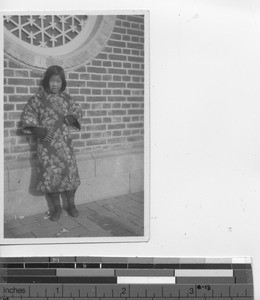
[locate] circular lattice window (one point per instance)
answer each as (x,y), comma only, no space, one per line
(67,40)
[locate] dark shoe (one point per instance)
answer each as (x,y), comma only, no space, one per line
(72,211)
(55,215)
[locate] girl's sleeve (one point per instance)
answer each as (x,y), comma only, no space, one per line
(75,110)
(30,115)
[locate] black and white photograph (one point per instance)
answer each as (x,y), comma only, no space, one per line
(76,127)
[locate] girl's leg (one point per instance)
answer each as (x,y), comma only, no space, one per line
(55,199)
(72,211)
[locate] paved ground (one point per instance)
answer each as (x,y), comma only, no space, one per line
(120,216)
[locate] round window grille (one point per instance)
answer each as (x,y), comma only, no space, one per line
(67,40)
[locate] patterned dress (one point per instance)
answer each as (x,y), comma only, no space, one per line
(56,163)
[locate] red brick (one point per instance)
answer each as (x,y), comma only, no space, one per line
(86,121)
(126,132)
(19,98)
(99,84)
(8,73)
(135,59)
(117,78)
(97,105)
(73,91)
(127,65)
(126,119)
(85,135)
(135,112)
(22,90)
(96,98)
(116,105)
(116,140)
(116,84)
(96,135)
(73,76)
(107,120)
(135,125)
(96,127)
(135,46)
(125,105)
(107,92)
(117,57)
(96,91)
(135,26)
(96,76)
(84,76)
(8,106)
(116,98)
(136,52)
(75,83)
(126,37)
(96,113)
(35,74)
(127,51)
(5,63)
(119,29)
(85,106)
(118,112)
(20,81)
(108,49)
(116,126)
(21,73)
(117,92)
(127,92)
(8,89)
(9,124)
(117,50)
(137,99)
(116,44)
(117,64)
(107,63)
(126,24)
(96,63)
(95,142)
(14,115)
(106,105)
(97,70)
(135,39)
(75,136)
(20,148)
(107,77)
(116,71)
(136,19)
(6,133)
(135,119)
(135,85)
(135,105)
(135,138)
(126,78)
(116,133)
(97,120)
(85,91)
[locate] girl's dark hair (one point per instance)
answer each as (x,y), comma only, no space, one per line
(54,70)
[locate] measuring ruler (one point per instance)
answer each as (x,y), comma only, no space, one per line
(77,278)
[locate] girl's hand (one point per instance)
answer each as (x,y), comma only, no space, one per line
(69,120)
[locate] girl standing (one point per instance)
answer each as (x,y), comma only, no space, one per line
(48,115)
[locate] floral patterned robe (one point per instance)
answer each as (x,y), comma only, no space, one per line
(56,163)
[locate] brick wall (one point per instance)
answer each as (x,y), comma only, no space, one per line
(110,89)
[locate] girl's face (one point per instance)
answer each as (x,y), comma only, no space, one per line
(55,84)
